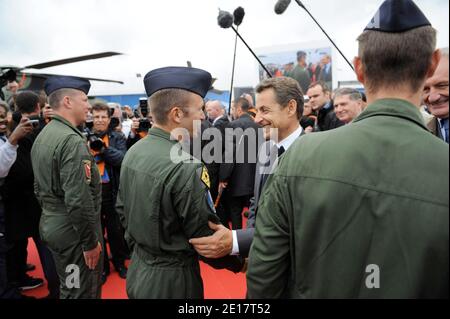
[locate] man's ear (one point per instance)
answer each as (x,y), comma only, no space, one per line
(435,59)
(359,70)
(292,108)
(175,115)
(66,102)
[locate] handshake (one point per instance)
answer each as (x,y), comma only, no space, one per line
(218,245)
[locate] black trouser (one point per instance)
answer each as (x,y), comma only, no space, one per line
(49,267)
(231,209)
(16,260)
(114,230)
(6,290)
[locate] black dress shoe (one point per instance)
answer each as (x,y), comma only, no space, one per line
(122,271)
(29,283)
(30,267)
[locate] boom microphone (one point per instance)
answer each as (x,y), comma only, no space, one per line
(238,14)
(225,19)
(224,22)
(281,6)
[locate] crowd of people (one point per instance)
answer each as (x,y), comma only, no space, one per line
(344,180)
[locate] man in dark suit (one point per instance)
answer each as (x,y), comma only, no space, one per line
(237,173)
(436,98)
(279,106)
(218,119)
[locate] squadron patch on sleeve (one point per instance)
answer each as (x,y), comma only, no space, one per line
(87,171)
(205,177)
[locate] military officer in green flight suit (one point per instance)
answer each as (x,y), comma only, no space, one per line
(164,197)
(362,211)
(67,185)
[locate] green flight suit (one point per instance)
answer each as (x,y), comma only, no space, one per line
(68,187)
(358,212)
(164,201)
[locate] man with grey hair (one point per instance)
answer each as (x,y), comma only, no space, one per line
(436,99)
(348,104)
(214,110)
(373,221)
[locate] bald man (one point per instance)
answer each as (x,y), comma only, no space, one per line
(219,120)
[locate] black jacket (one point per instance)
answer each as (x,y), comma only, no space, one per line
(327,119)
(113,157)
(214,168)
(22,210)
(241,176)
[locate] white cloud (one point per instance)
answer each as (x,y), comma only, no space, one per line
(170,32)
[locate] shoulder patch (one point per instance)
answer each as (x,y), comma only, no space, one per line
(87,164)
(205,177)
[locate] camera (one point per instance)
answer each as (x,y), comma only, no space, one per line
(144,125)
(95,143)
(115,123)
(35,123)
(143,105)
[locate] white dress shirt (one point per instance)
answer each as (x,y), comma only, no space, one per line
(8,155)
(286,143)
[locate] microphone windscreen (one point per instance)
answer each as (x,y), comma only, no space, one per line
(281,6)
(239,14)
(225,19)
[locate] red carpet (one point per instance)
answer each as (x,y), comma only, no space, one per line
(219,284)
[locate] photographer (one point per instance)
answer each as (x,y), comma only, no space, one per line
(22,210)
(141,123)
(8,155)
(108,148)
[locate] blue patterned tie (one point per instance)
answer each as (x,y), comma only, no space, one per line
(444,124)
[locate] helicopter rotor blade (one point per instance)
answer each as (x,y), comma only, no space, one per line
(44,75)
(71,60)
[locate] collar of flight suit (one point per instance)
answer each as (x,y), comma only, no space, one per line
(66,122)
(155,131)
(393,107)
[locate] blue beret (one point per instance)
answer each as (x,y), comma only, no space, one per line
(66,82)
(398,16)
(194,80)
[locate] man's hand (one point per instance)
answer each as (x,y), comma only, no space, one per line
(135,126)
(91,257)
(47,112)
(24,128)
(222,186)
(218,245)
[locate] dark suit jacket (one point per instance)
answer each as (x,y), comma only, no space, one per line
(327,119)
(22,210)
(245,236)
(240,176)
(214,168)
(113,157)
(434,127)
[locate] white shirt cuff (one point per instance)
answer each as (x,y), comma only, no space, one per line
(235,250)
